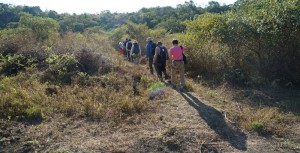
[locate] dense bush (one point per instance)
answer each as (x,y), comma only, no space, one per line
(61,69)
(24,101)
(12,64)
(15,40)
(255,43)
(93,63)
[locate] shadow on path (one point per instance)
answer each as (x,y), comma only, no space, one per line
(216,121)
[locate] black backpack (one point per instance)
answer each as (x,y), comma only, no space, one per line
(183,56)
(124,44)
(153,46)
(162,56)
(129,45)
(136,48)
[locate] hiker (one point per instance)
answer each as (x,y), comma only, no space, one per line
(124,48)
(159,60)
(135,52)
(150,51)
(176,54)
(128,49)
(120,48)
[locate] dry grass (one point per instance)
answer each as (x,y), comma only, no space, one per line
(245,112)
(109,96)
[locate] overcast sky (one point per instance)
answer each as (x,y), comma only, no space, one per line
(97,6)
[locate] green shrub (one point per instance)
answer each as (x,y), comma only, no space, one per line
(12,64)
(20,101)
(257,127)
(61,69)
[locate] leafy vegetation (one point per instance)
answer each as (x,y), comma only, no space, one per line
(66,64)
(254,43)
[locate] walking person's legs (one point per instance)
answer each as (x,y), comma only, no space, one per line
(159,71)
(164,71)
(151,64)
(174,68)
(181,71)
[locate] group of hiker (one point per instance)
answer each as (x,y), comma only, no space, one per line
(157,55)
(130,50)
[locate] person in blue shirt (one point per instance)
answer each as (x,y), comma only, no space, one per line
(149,54)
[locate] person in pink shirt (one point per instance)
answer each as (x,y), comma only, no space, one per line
(177,63)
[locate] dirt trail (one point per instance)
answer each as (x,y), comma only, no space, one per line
(184,123)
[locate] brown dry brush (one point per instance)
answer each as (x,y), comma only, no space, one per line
(76,76)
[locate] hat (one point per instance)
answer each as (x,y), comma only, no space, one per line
(135,42)
(149,39)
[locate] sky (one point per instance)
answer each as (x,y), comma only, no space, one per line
(97,6)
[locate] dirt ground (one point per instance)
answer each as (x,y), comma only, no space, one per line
(182,123)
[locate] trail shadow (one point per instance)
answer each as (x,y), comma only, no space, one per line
(216,121)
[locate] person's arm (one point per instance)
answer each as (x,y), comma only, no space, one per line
(157,49)
(131,50)
(167,53)
(148,49)
(126,46)
(140,51)
(170,53)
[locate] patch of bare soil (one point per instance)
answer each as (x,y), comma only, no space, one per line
(185,123)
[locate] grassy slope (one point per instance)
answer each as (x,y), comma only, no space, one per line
(107,108)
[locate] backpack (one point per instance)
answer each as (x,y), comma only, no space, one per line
(162,56)
(124,44)
(183,56)
(129,45)
(153,46)
(136,49)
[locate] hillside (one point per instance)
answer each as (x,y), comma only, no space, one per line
(176,122)
(65,88)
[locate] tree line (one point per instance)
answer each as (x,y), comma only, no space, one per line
(154,17)
(249,43)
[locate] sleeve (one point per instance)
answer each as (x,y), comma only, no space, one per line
(148,49)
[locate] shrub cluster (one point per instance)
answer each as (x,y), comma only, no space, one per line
(256,43)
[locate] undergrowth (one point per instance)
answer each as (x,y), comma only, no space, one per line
(76,76)
(107,96)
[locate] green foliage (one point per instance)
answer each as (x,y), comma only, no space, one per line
(258,38)
(43,28)
(12,64)
(257,127)
(168,18)
(18,101)
(61,69)
(16,40)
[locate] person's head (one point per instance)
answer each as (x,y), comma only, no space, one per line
(159,43)
(135,42)
(175,42)
(149,39)
(120,43)
(129,39)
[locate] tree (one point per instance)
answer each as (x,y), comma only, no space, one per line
(43,28)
